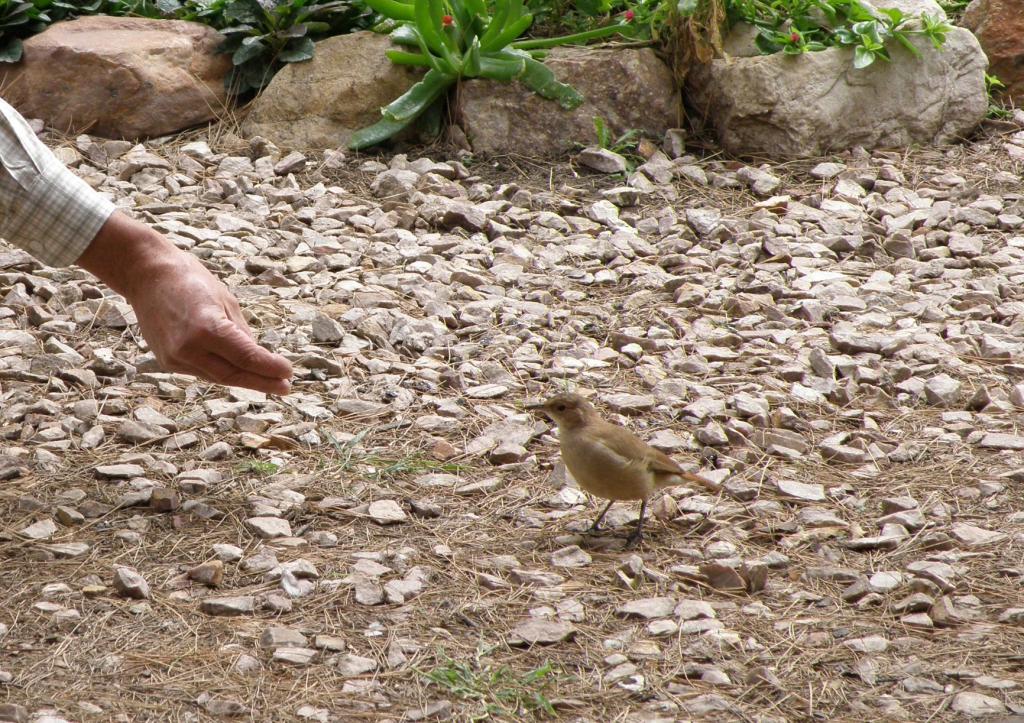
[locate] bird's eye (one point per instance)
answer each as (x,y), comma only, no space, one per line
(560,407)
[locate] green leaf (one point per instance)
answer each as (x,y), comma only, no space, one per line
(239,11)
(903,40)
(686,8)
(893,14)
(497,22)
(862,57)
(10,50)
(168,7)
(394,9)
(402,111)
(604,137)
(471,60)
(586,36)
(297,50)
(845,36)
(250,48)
(415,100)
(539,78)
(766,44)
(400,57)
(512,30)
(503,66)
(405,35)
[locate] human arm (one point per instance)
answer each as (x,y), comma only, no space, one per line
(189,319)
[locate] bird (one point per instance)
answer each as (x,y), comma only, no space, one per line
(610,461)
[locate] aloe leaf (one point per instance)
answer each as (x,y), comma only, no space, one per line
(510,32)
(595,34)
(471,60)
(404,35)
(502,66)
(401,57)
(402,111)
(394,9)
(415,100)
(430,33)
(497,22)
(377,133)
(539,78)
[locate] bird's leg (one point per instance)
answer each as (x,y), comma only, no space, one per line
(638,534)
(596,527)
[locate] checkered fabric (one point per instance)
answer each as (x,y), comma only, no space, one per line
(45,209)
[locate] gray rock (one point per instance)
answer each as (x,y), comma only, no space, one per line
(648,608)
(771,106)
(322,102)
(268,528)
(129,583)
(602,160)
(228,606)
(541,632)
(976,705)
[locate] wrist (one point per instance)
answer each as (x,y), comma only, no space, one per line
(127,255)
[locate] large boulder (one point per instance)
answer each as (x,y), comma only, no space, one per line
(628,88)
(120,77)
(322,102)
(818,103)
(999,27)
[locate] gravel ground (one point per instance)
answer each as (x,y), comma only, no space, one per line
(837,342)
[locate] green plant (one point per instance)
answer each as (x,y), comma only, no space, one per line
(258,468)
(801,26)
(260,35)
(19,20)
(996,109)
(495,690)
(954,8)
(623,144)
(263,35)
(455,39)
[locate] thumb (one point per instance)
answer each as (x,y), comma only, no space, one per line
(231,343)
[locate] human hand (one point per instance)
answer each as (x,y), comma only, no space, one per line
(190,320)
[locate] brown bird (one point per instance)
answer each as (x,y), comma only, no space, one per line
(610,461)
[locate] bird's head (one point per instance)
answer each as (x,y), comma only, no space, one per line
(566,410)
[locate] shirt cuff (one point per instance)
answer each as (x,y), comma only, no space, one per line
(56,217)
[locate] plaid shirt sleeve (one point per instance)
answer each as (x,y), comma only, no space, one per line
(45,209)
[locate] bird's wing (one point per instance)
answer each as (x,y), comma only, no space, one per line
(667,471)
(624,444)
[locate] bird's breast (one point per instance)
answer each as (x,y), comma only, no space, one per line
(602,472)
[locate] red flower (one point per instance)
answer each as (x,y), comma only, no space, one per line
(447,20)
(629,15)
(794,38)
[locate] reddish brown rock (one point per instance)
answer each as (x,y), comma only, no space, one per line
(120,77)
(999,27)
(629,89)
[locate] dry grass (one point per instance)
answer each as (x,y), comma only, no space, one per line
(153,660)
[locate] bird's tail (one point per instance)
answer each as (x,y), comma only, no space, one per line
(680,477)
(702,481)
